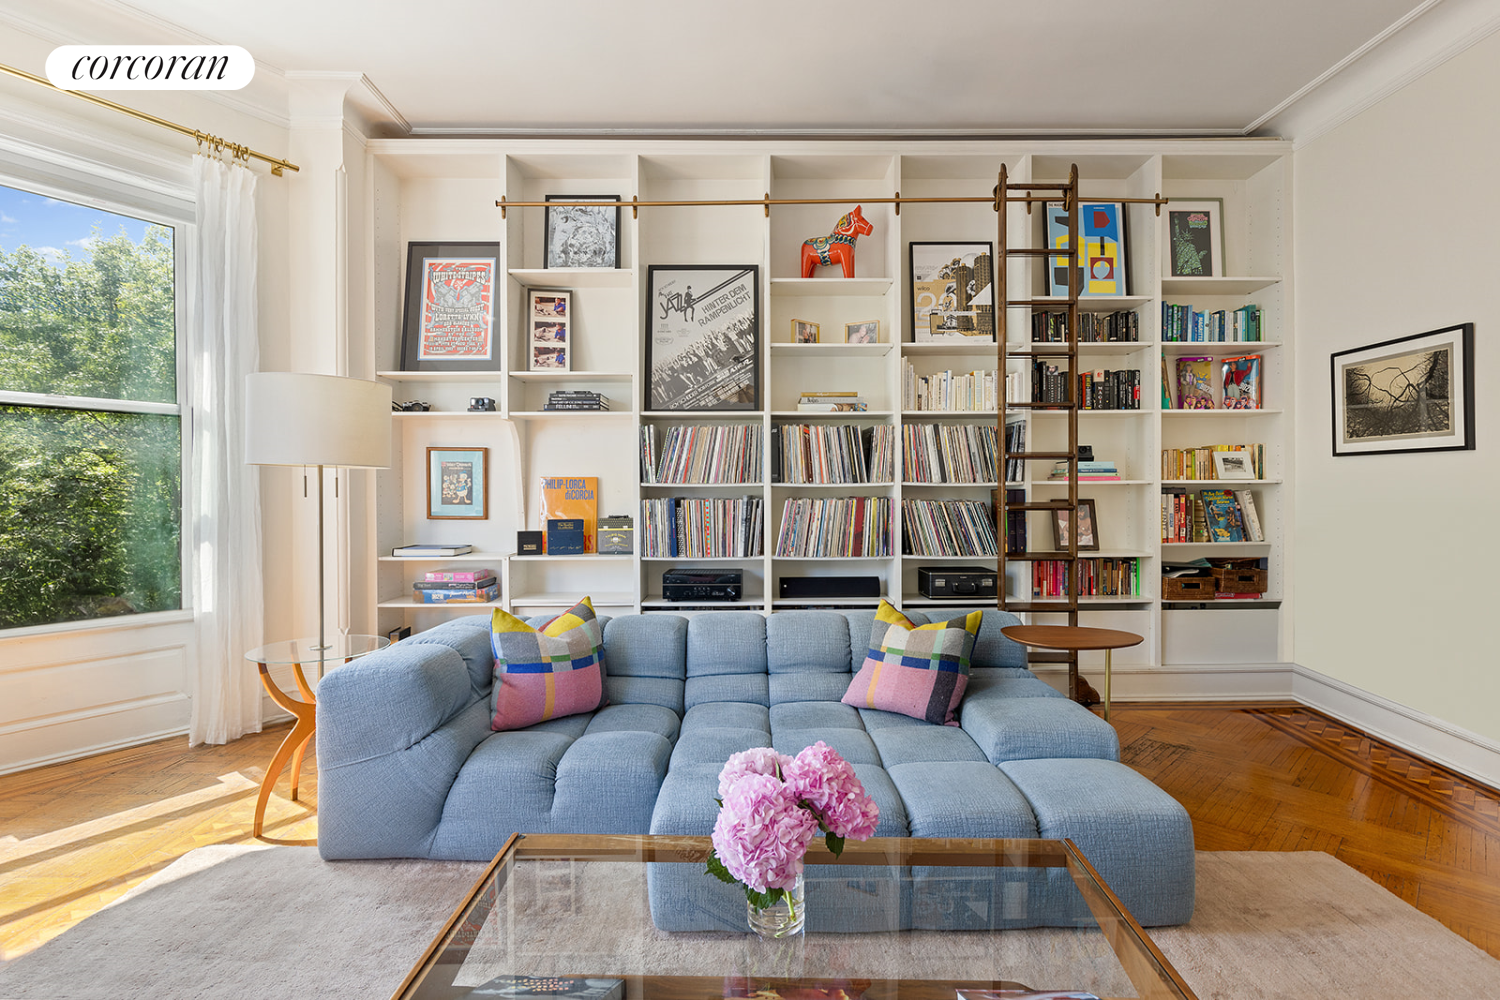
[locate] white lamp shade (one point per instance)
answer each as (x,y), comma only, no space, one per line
(297,418)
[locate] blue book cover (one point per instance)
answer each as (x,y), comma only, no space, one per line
(565,537)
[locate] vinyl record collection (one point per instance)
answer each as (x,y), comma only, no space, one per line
(948,528)
(833,453)
(702,528)
(701,453)
(832,527)
(949,453)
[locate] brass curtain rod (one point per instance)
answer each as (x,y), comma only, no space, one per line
(212,141)
(635,203)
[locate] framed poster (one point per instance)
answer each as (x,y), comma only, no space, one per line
(583,236)
(703,337)
(449,322)
(1195,239)
(1088,534)
(549,341)
(1103,267)
(952,294)
(456,483)
(1408,394)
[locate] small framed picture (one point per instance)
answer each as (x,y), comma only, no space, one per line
(457,480)
(866,332)
(583,236)
(804,332)
(549,324)
(1409,394)
(1233,465)
(1195,238)
(1088,530)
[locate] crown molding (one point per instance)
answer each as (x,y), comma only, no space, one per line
(1414,46)
(812,134)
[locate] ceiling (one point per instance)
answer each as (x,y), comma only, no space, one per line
(976,66)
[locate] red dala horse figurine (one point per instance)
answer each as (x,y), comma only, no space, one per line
(838,246)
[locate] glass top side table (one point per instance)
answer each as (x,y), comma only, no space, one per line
(339,649)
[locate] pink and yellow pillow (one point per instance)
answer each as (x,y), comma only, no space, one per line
(546,673)
(916,670)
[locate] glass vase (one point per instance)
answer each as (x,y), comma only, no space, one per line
(784,918)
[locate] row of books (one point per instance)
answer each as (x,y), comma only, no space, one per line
(948,528)
(1198,463)
(1015,520)
(1102,471)
(1015,440)
(702,527)
(1184,324)
(1210,515)
(830,527)
(832,402)
(949,453)
(1102,389)
(1050,382)
(1100,577)
(976,391)
(833,453)
(576,399)
(1093,328)
(701,453)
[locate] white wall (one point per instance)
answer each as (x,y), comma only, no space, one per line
(1396,215)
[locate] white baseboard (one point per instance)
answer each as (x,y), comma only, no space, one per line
(1206,682)
(1417,732)
(78,753)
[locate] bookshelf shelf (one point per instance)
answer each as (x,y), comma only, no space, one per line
(843,415)
(950,348)
(919,416)
(1217,347)
(701,486)
(1216,286)
(587,557)
(624,415)
(470,557)
(1106,347)
(573,277)
(1094,303)
(419,416)
(843,287)
(471,607)
(1221,483)
(444,377)
(790,351)
(548,376)
(1210,414)
(831,486)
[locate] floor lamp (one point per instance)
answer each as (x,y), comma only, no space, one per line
(296,418)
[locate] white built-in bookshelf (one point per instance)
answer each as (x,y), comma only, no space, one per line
(445,190)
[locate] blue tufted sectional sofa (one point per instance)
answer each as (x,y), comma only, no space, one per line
(408,767)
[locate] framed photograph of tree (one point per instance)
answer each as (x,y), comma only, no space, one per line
(1409,394)
(703,337)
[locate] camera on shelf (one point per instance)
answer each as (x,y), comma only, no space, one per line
(481,404)
(411,406)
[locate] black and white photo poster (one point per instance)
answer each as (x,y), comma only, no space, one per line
(1408,394)
(703,337)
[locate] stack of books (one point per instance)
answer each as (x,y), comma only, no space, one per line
(832,402)
(1209,516)
(469,586)
(576,399)
(1088,472)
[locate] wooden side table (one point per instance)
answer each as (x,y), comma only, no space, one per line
(299,652)
(1074,637)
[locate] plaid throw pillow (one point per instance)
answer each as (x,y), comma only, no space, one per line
(916,670)
(547,673)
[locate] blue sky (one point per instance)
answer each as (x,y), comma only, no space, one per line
(54,228)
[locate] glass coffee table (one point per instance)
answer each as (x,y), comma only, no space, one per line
(559,905)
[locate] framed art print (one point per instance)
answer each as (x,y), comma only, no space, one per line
(583,236)
(1102,264)
(449,322)
(457,483)
(804,332)
(1088,531)
(549,342)
(1195,238)
(1233,465)
(1408,394)
(952,294)
(865,332)
(703,337)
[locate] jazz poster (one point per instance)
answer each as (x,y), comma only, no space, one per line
(1101,233)
(458,308)
(703,337)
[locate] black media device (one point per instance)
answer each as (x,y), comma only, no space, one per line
(830,586)
(682,584)
(955,581)
(529,543)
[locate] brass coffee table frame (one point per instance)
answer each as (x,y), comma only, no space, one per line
(1148,969)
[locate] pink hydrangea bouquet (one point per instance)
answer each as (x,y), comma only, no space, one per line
(771,807)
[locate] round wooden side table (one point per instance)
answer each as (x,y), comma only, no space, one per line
(299,653)
(1076,638)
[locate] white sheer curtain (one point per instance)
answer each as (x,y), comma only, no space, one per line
(223,344)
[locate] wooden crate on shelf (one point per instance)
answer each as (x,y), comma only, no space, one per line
(1188,588)
(1240,579)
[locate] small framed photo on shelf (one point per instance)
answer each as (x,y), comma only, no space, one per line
(449,321)
(1102,265)
(1088,530)
(1195,238)
(864,332)
(1233,465)
(804,332)
(583,235)
(1409,394)
(952,296)
(549,323)
(703,337)
(457,484)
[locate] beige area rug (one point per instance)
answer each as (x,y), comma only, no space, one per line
(271,922)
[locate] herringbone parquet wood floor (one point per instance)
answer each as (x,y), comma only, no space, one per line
(1274,778)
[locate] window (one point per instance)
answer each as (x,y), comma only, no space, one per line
(90,423)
